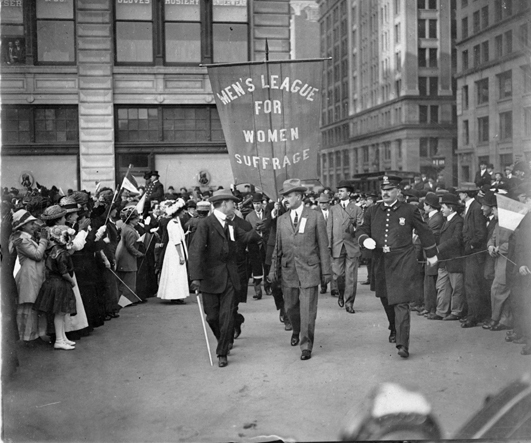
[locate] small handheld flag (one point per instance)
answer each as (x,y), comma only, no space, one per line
(130,183)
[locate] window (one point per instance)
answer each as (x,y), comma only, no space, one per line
(187,37)
(397,33)
(421,4)
(508,42)
(36,124)
(422,28)
(423,86)
(428,147)
(524,36)
(464,28)
(432,4)
(498,46)
(398,87)
(55,32)
(527,121)
(526,73)
(465,60)
(399,149)
(483,129)
(476,22)
(508,7)
(387,151)
(365,154)
(397,7)
(422,58)
(434,85)
(505,84)
(432,28)
(485,51)
(433,58)
(485,16)
(506,125)
(398,61)
(477,56)
(434,114)
(497,10)
(168,124)
(464,3)
(464,97)
(466,133)
(482,88)
(12,22)
(428,114)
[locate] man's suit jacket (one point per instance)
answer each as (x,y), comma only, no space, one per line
(475,230)
(213,255)
(341,227)
(322,213)
(435,223)
(451,244)
(481,180)
(488,270)
(253,219)
(300,259)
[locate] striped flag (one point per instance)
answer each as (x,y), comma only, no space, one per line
(130,183)
(510,212)
(140,205)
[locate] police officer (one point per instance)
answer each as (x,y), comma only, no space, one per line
(387,230)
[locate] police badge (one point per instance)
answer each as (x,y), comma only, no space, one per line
(402,221)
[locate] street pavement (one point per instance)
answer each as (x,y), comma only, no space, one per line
(146,376)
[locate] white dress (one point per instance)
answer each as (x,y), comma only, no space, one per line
(173,284)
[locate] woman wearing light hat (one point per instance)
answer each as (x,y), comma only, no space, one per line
(30,276)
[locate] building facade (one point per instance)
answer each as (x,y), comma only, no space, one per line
(388,90)
(493,84)
(90,87)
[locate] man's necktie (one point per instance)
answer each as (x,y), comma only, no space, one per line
(226,230)
(296,219)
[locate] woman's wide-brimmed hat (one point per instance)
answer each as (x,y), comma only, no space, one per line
(22,217)
(53,212)
(69,204)
(62,235)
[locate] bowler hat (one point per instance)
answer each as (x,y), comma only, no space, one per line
(323,198)
(147,175)
(489,199)
(467,187)
(191,204)
(21,217)
(344,184)
(258,197)
(222,194)
(450,199)
(390,181)
(432,200)
(155,173)
(292,185)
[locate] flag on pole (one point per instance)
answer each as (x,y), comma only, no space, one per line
(98,186)
(130,183)
(510,212)
(124,301)
(141,238)
(140,204)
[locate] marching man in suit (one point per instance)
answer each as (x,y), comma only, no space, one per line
(387,229)
(300,259)
(324,208)
(214,268)
(341,226)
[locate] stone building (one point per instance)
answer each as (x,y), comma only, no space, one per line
(388,91)
(493,84)
(90,87)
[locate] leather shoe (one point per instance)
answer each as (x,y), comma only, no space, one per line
(451,317)
(469,324)
(306,355)
(334,293)
(392,337)
(222,361)
(341,301)
(324,289)
(365,283)
(294,340)
(499,327)
(489,324)
(402,351)
(257,297)
(282,316)
(287,326)
(350,310)
(432,316)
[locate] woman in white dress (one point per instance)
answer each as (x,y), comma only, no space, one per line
(173,283)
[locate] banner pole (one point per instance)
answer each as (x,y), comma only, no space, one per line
(204,326)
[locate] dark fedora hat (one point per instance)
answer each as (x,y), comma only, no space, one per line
(147,175)
(432,199)
(489,199)
(222,194)
(450,199)
(155,173)
(258,197)
(344,184)
(292,185)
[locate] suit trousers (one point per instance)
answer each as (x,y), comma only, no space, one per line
(219,310)
(301,308)
(499,296)
(399,321)
(450,293)
(430,293)
(345,276)
(276,292)
(478,304)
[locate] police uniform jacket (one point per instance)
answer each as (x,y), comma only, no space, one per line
(155,191)
(396,271)
(451,245)
(213,255)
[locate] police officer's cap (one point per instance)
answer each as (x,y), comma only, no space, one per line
(390,181)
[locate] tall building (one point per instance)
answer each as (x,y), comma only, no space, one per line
(388,92)
(304,29)
(90,87)
(493,83)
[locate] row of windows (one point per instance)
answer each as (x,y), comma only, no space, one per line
(505,131)
(192,32)
(427,28)
(34,124)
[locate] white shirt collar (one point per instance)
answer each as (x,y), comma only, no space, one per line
(451,216)
(298,211)
(391,205)
(431,213)
(220,216)
(468,203)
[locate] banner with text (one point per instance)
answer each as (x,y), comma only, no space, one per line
(270,118)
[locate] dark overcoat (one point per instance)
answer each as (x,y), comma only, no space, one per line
(396,275)
(435,223)
(451,245)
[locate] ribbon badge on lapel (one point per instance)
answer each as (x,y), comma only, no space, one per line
(402,221)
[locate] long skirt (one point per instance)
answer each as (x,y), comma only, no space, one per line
(129,278)
(31,325)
